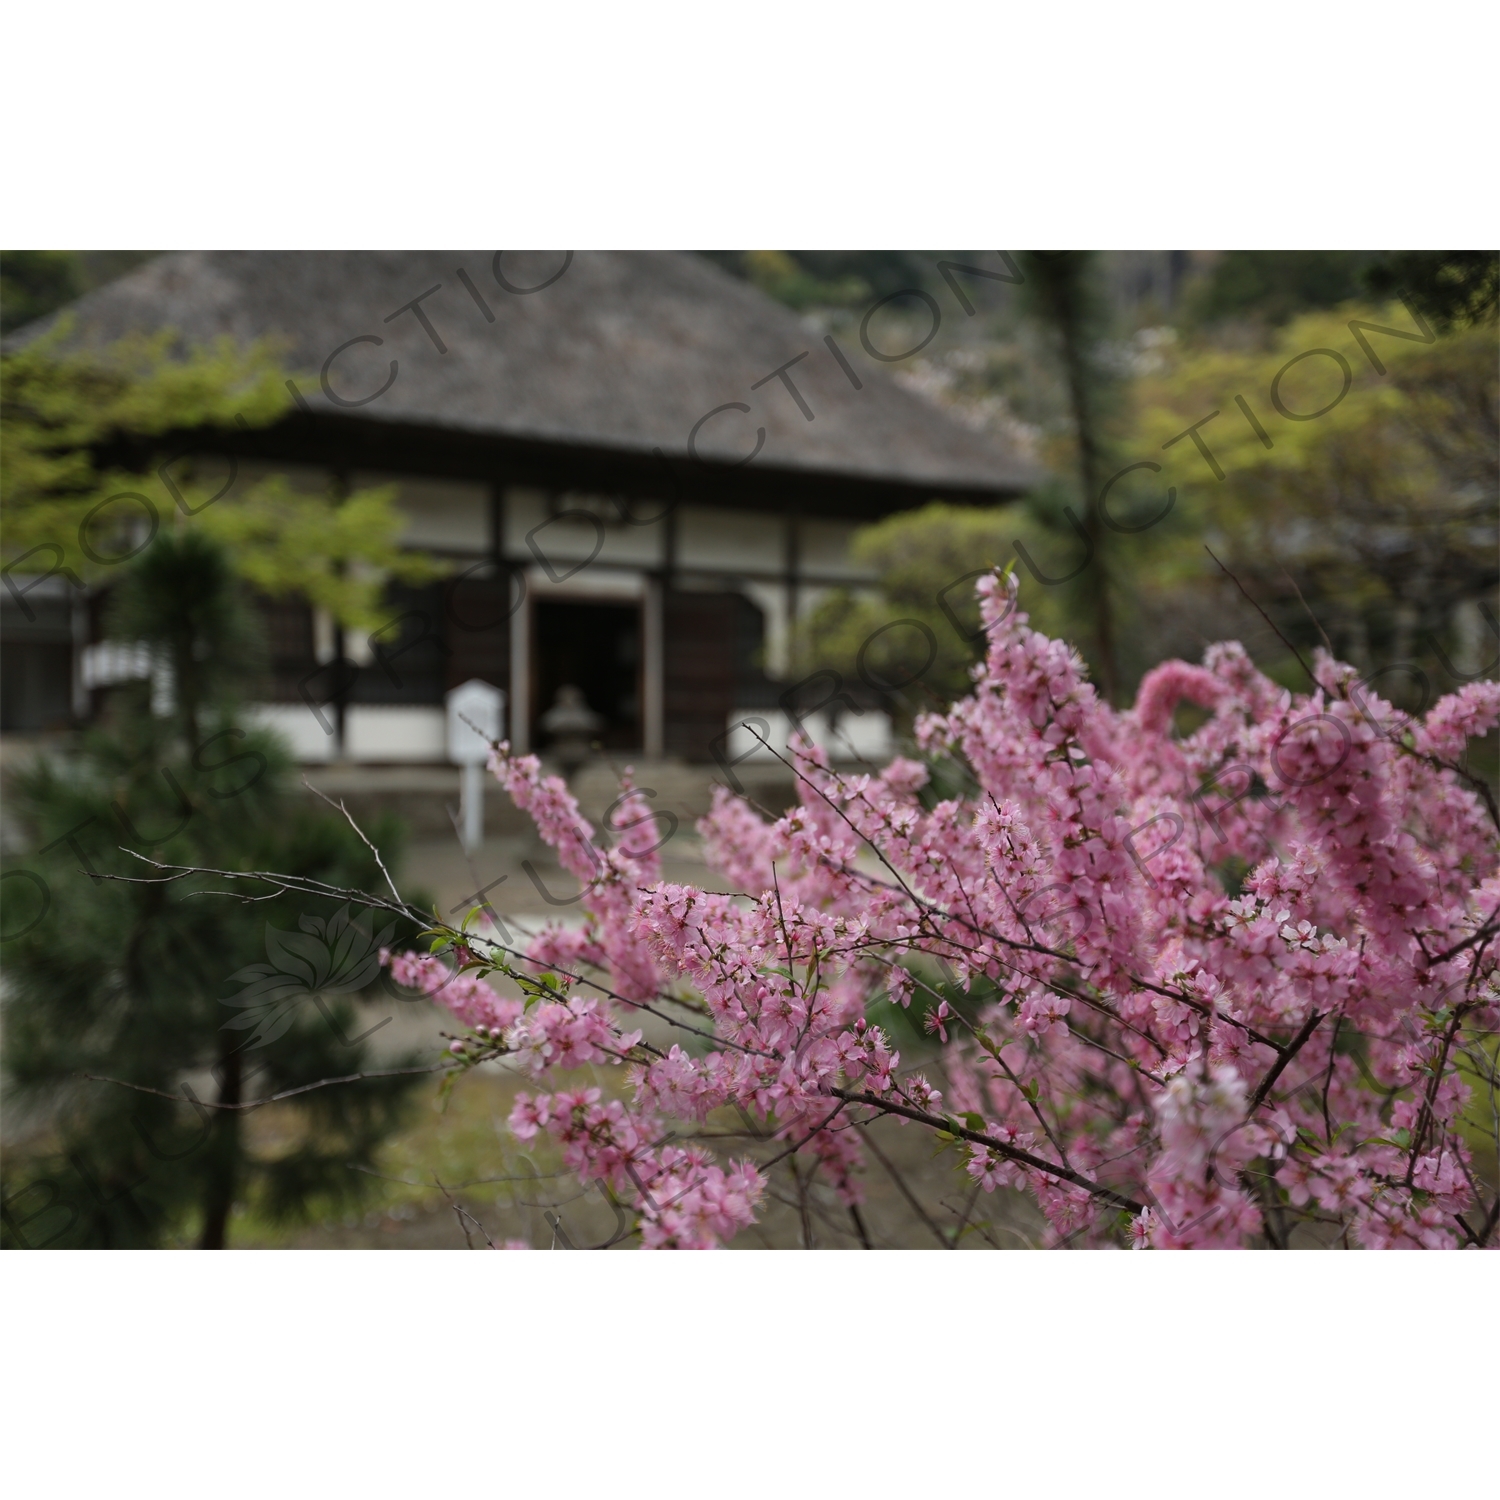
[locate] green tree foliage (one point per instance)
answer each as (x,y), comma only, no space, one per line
(82,441)
(34,283)
(1382,510)
(1070,561)
(1274,285)
(916,635)
(1450,288)
(790,280)
(922,558)
(164,986)
(827,278)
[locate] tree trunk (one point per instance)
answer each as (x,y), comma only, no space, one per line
(1091,472)
(223,1156)
(1061,292)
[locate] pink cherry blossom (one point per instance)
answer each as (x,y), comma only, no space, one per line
(1202,990)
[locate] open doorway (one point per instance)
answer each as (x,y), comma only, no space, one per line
(595,648)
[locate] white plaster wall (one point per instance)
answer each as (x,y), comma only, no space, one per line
(395,732)
(823,547)
(565,543)
(749,726)
(771,600)
(373,732)
(597,581)
(296,724)
(447,514)
(865,736)
(730,540)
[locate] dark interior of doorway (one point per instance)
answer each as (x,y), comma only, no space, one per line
(597,648)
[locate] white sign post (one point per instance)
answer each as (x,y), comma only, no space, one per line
(475,713)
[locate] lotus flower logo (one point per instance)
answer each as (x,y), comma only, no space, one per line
(334,957)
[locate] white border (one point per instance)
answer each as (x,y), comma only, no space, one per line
(924,1373)
(666,123)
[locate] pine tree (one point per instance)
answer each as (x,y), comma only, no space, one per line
(165,987)
(1064,293)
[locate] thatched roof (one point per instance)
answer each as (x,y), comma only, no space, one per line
(625,351)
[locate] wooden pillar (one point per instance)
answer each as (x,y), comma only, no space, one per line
(793,568)
(520,676)
(653,694)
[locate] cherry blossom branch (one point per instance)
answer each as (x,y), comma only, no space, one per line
(1212,1012)
(979,1138)
(1477,784)
(985,1041)
(1480,1237)
(1287,1053)
(1489,930)
(793,1150)
(1424,1119)
(643,1005)
(928,907)
(304,886)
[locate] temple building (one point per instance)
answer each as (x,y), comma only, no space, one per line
(641,470)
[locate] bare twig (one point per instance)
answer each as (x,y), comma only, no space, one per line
(860,1231)
(1264,616)
(912,1201)
(339,805)
(305,1088)
(465,1218)
(1318,624)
